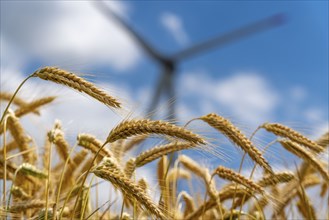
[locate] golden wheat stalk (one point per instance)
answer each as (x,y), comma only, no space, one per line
(22,140)
(110,163)
(266,181)
(117,149)
(177,173)
(142,183)
(18,192)
(130,167)
(233,214)
(33,106)
(29,169)
(259,205)
(159,151)
(324,189)
(72,168)
(111,173)
(202,209)
(189,203)
(323,141)
(228,193)
(231,191)
(229,174)
(80,157)
(75,82)
(302,153)
(145,126)
(290,192)
(32,204)
(235,135)
(16,101)
(305,168)
(9,147)
(11,167)
(201,172)
(92,144)
(286,132)
(162,172)
(134,142)
(305,207)
(271,180)
(56,136)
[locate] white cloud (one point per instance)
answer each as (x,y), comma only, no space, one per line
(174,25)
(298,93)
(314,114)
(67,31)
(247,96)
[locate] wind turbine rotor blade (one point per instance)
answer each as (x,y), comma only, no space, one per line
(170,88)
(159,89)
(232,36)
(110,14)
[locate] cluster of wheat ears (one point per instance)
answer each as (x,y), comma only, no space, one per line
(34,189)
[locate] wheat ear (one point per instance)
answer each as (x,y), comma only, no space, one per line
(235,135)
(286,132)
(9,147)
(144,126)
(32,204)
(324,189)
(134,142)
(29,169)
(20,137)
(75,82)
(130,167)
(177,173)
(189,203)
(142,183)
(273,179)
(323,141)
(162,171)
(18,192)
(305,207)
(289,193)
(302,153)
(17,100)
(266,181)
(33,106)
(56,136)
(229,174)
(228,193)
(201,172)
(91,143)
(159,151)
(111,173)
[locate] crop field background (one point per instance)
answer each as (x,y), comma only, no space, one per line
(164,110)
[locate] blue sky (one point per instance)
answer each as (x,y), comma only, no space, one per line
(277,75)
(297,52)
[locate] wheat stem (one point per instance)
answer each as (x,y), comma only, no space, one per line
(48,181)
(13,97)
(62,176)
(86,175)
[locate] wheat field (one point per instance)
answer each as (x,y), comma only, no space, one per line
(34,188)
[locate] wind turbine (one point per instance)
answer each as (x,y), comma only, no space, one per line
(169,62)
